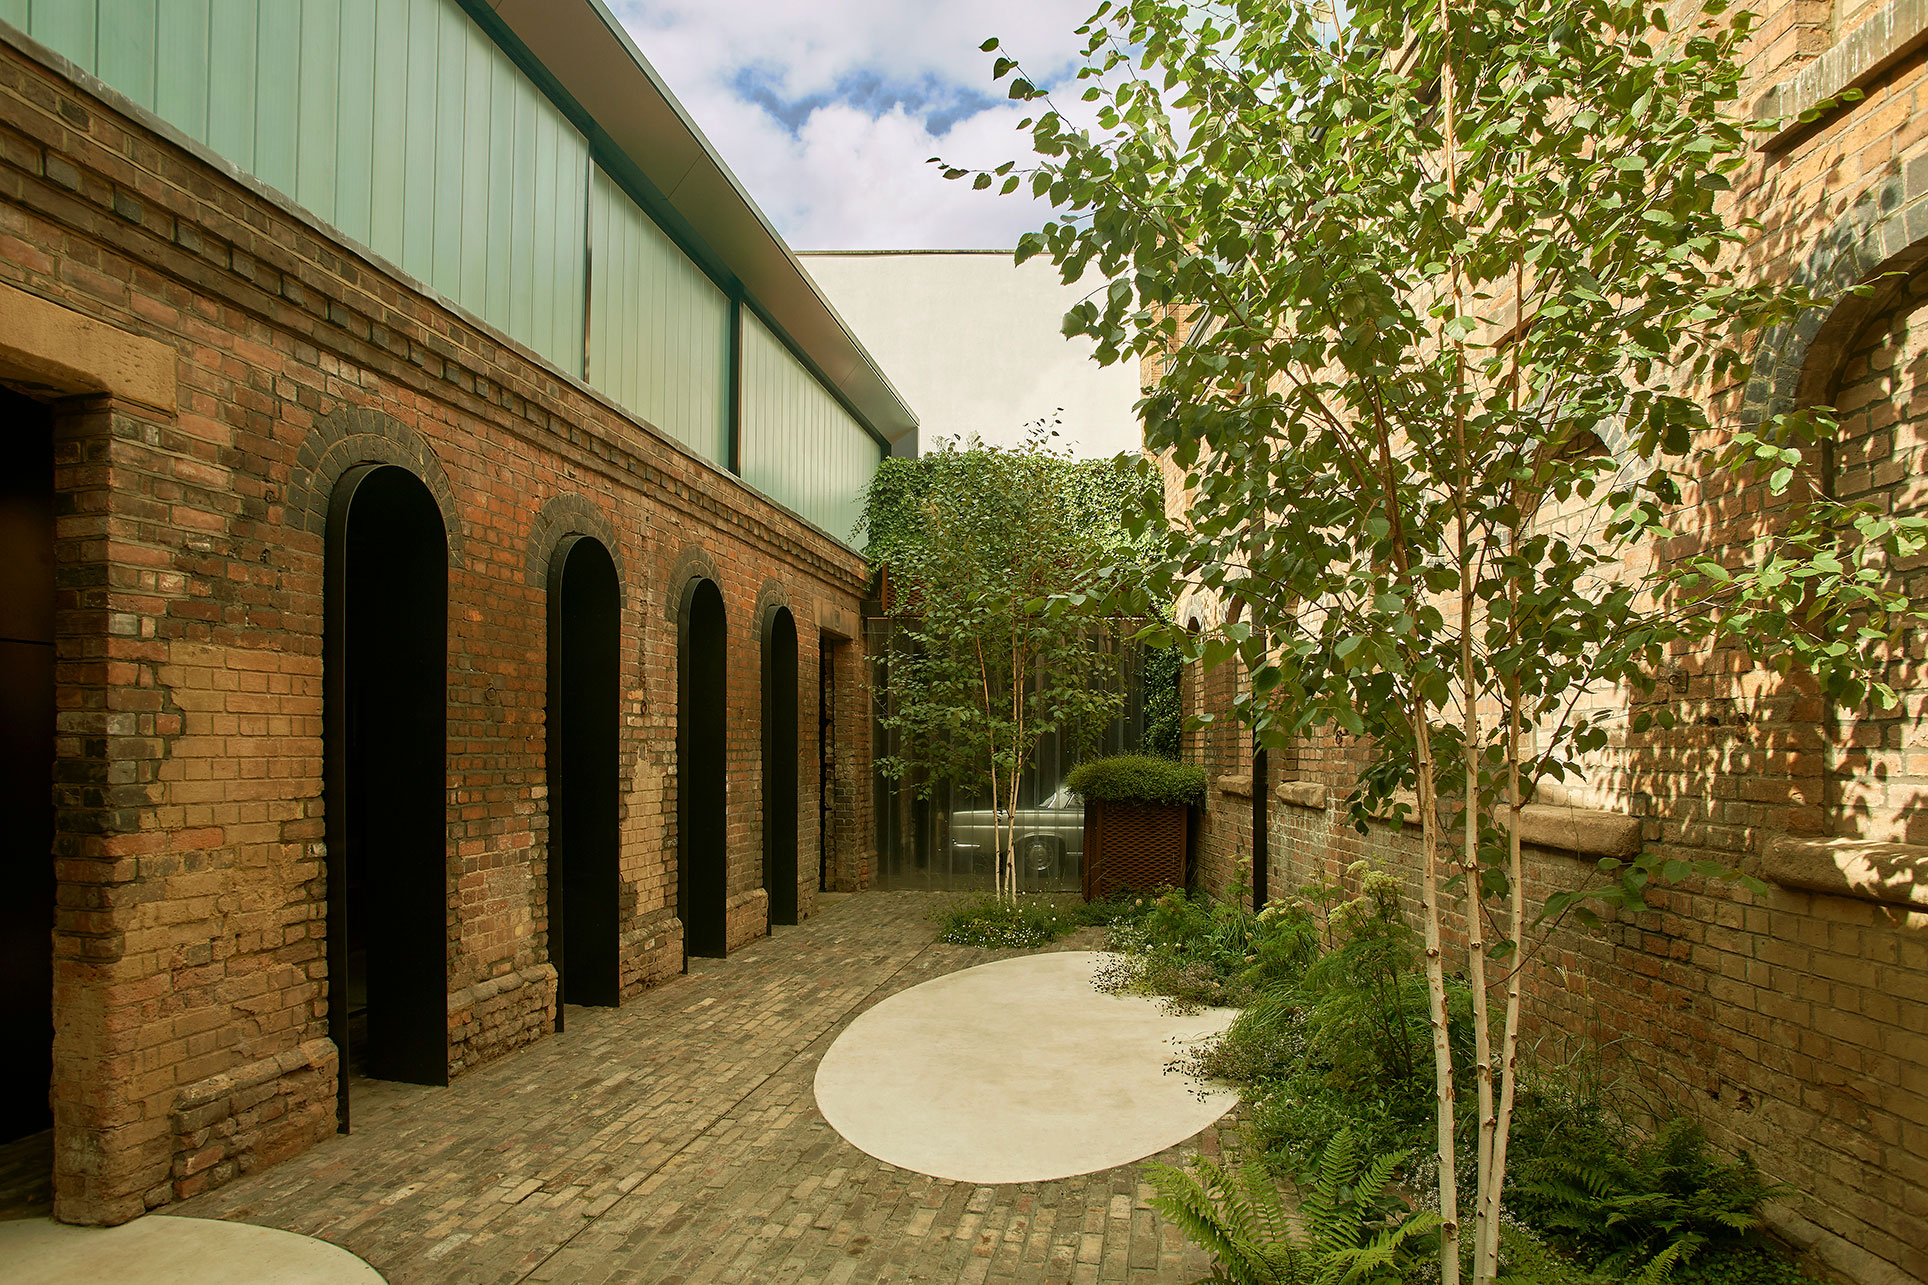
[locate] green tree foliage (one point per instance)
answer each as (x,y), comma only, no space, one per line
(997,562)
(1464,280)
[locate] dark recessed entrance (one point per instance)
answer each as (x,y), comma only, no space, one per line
(702,712)
(584,641)
(780,765)
(26,765)
(387,710)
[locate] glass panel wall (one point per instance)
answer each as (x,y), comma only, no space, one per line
(942,840)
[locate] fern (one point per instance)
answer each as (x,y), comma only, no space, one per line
(1339,1237)
(1640,1213)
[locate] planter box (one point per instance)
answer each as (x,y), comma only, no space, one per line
(1133,845)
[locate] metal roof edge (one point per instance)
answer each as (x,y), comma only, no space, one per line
(583,48)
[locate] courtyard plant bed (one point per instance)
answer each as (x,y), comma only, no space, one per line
(1332,1056)
(1031,921)
(1137,818)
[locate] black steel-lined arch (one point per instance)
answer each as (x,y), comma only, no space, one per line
(386,742)
(584,772)
(702,716)
(779,639)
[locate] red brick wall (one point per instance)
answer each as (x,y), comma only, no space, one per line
(192,987)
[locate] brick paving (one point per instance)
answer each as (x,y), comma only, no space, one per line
(676,1140)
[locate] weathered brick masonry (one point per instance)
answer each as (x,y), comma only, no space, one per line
(211,361)
(1794,1025)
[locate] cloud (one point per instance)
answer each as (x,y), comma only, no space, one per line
(827,111)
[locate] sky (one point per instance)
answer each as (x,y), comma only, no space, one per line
(828,109)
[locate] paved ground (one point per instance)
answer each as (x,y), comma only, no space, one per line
(675,1140)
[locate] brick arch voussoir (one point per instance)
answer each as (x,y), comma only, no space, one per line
(1881,238)
(768,600)
(692,565)
(353,435)
(560,517)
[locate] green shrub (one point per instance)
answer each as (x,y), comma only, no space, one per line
(1138,778)
(1034,920)
(988,922)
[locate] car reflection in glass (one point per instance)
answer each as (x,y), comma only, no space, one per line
(1049,840)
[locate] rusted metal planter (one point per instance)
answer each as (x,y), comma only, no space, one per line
(1136,846)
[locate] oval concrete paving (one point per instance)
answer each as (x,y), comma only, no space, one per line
(166,1250)
(1017,1071)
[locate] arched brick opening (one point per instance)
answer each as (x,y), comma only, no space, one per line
(1875,375)
(702,722)
(780,747)
(26,765)
(386,702)
(583,729)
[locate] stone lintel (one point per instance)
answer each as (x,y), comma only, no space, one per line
(838,622)
(67,352)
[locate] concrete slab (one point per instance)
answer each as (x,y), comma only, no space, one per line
(165,1250)
(1017,1071)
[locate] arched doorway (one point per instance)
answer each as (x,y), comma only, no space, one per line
(386,663)
(702,715)
(26,765)
(780,765)
(585,627)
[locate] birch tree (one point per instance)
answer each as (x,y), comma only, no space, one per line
(1441,297)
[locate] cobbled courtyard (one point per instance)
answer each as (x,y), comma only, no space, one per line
(676,1141)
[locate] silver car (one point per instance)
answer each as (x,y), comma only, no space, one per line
(1049,839)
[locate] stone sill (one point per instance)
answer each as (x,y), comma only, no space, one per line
(1894,874)
(1896,30)
(1592,832)
(1301,794)
(1239,784)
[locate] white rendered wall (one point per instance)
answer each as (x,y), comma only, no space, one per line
(974,345)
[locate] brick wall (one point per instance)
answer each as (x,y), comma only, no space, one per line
(192,987)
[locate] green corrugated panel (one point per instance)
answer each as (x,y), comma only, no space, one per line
(800,446)
(231,71)
(398,121)
(318,121)
(181,67)
(125,48)
(445,216)
(389,176)
(67,28)
(277,93)
(355,142)
(659,330)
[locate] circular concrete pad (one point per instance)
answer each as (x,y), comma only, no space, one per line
(1017,1071)
(164,1250)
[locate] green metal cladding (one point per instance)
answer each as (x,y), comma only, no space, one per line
(397,121)
(800,446)
(659,330)
(405,126)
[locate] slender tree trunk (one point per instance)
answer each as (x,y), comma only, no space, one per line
(1475,926)
(1436,992)
(1493,1178)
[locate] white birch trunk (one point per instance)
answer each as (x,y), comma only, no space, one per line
(1436,996)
